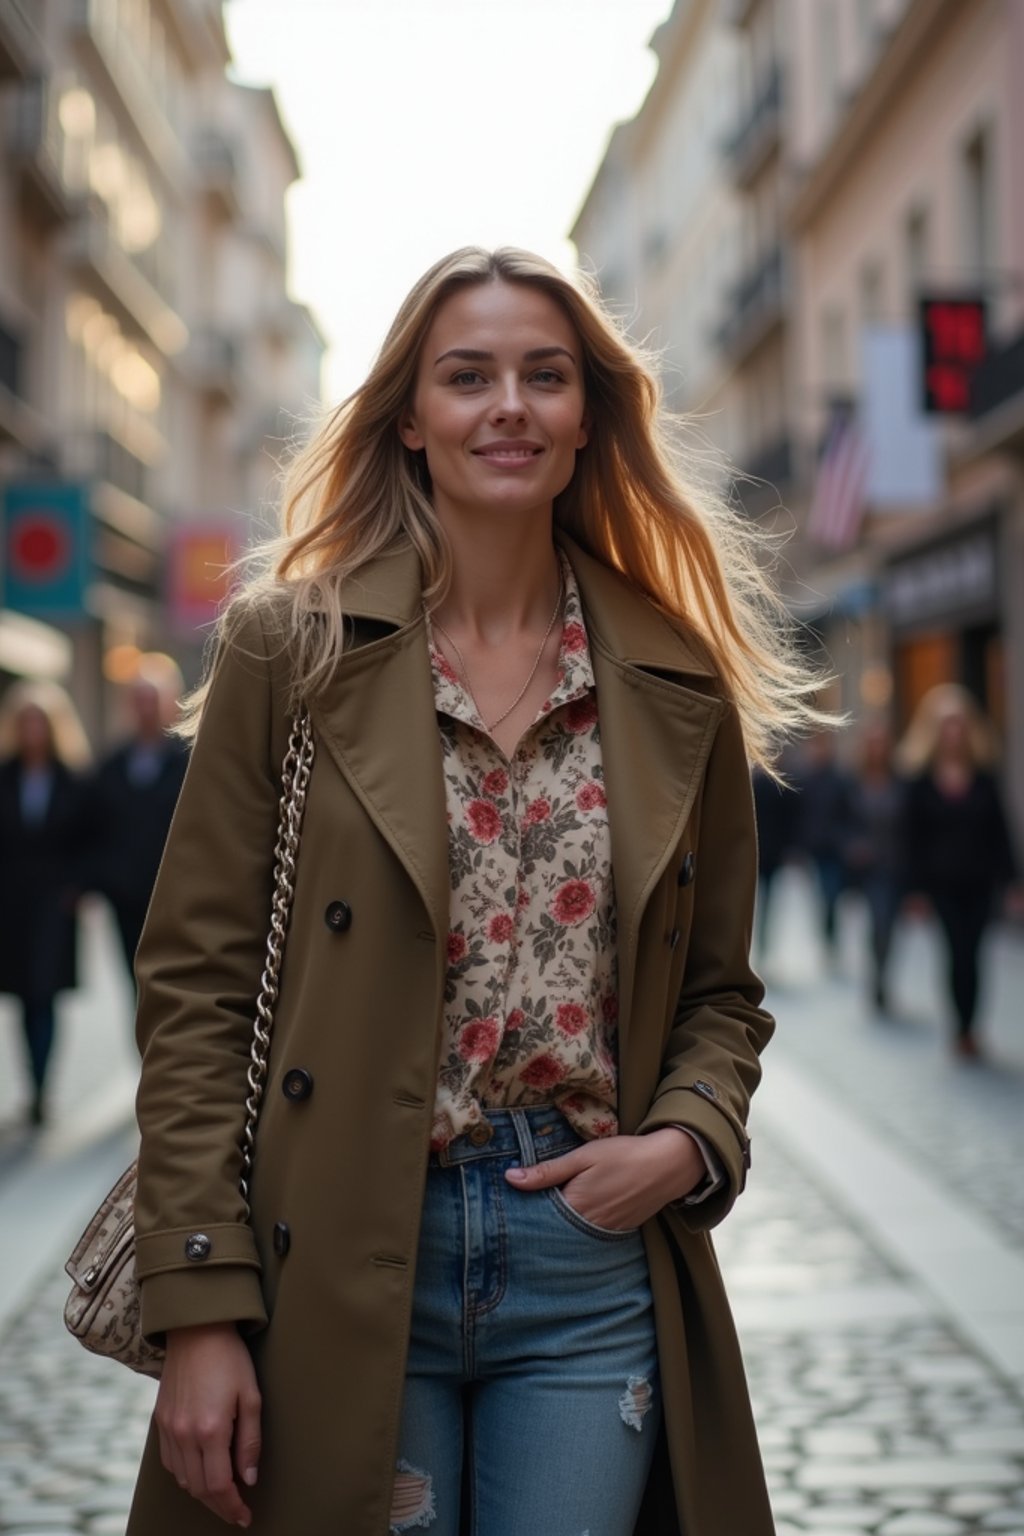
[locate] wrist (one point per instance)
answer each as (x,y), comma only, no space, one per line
(680,1160)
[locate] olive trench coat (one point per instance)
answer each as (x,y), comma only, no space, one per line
(343,1164)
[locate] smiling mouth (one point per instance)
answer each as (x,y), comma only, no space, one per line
(513,454)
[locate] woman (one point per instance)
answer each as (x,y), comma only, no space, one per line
(507,1096)
(43,829)
(959,849)
(874,851)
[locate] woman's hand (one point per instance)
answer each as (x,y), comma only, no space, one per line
(208,1417)
(620,1181)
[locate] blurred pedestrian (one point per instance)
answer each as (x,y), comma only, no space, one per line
(823,814)
(775,807)
(528,654)
(874,847)
(959,849)
(137,789)
(44,827)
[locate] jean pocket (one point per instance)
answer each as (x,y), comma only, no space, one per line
(570,1214)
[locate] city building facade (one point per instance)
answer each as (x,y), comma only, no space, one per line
(151,363)
(867,169)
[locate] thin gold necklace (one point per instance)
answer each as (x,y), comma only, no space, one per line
(533,670)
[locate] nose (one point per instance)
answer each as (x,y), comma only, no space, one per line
(509,404)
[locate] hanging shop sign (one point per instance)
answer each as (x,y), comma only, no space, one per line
(953,343)
(952,581)
(46,565)
(198,570)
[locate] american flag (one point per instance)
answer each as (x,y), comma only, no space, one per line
(838,505)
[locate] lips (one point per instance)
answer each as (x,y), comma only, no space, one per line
(506,451)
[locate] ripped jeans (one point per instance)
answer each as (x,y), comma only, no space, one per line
(532,1380)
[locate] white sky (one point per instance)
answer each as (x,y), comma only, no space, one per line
(422,125)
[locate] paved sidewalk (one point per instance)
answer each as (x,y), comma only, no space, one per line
(874,1263)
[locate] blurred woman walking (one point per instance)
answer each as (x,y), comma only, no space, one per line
(44,824)
(874,849)
(958,842)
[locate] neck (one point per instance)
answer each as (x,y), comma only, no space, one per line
(505,573)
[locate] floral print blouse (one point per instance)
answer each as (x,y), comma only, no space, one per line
(530,999)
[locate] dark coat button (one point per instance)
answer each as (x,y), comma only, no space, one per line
(707,1089)
(198,1246)
(687,869)
(673,938)
(338,916)
(297,1084)
(282,1238)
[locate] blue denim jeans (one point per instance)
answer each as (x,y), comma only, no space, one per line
(532,1380)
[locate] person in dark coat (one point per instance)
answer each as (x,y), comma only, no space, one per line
(44,826)
(136,791)
(874,850)
(823,814)
(959,848)
(775,813)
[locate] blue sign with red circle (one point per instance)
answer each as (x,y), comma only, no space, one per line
(46,567)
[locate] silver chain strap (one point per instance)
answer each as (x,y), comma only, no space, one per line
(295,772)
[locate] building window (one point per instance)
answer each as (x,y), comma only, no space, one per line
(916,241)
(979,204)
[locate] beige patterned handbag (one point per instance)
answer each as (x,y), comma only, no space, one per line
(103,1309)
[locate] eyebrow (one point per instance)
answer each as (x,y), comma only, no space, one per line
(473,355)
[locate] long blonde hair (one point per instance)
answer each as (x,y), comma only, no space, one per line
(355,491)
(916,751)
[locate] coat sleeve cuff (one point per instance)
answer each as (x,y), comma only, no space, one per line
(198,1248)
(690,1110)
(230,1294)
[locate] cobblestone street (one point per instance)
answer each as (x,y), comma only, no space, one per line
(874,1264)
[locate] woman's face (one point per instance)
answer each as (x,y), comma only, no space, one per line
(498,406)
(954,736)
(32,732)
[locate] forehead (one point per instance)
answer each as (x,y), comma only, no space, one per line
(499,317)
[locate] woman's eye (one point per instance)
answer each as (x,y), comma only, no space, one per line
(548,376)
(467,376)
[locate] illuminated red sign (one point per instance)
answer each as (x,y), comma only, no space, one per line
(952,346)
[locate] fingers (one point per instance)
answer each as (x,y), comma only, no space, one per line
(208,1410)
(555,1171)
(220,1492)
(247,1439)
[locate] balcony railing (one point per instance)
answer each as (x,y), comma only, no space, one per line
(756,305)
(92,246)
(759,134)
(96,23)
(36,145)
(20,49)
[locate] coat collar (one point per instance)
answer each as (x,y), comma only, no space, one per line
(389,589)
(378,722)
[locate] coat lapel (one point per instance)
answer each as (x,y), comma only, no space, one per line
(656,734)
(377,720)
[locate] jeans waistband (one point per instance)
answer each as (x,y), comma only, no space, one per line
(529,1135)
